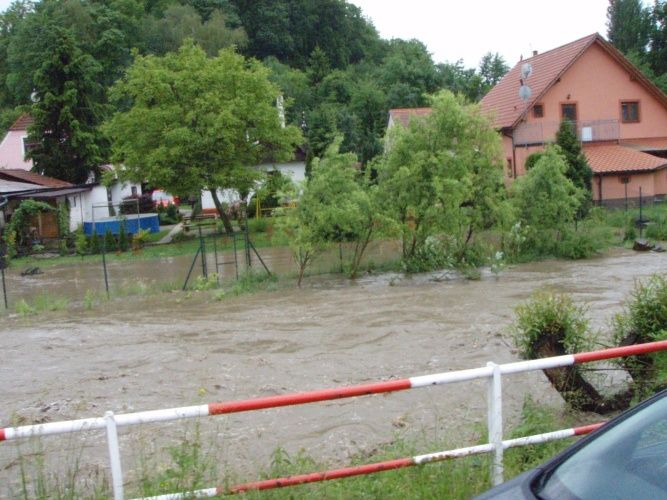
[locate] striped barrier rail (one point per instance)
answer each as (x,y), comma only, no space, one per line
(491,371)
(360,470)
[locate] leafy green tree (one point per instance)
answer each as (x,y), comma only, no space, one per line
(10,20)
(291,29)
(407,74)
(492,68)
(337,206)
(296,89)
(318,66)
(628,25)
(658,39)
(110,244)
(546,200)
(179,22)
(460,80)
(67,111)
(198,123)
(442,176)
(578,170)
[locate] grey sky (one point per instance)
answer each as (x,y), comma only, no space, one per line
(467,29)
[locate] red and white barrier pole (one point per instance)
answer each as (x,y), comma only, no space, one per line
(360,470)
(300,398)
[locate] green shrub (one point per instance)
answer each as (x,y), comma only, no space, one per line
(430,256)
(123,240)
(644,319)
(109,241)
(588,240)
(260,225)
(550,316)
(94,243)
(81,242)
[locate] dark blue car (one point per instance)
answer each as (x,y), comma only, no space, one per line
(624,459)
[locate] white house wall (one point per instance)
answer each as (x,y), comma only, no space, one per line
(120,190)
(296,171)
(227,196)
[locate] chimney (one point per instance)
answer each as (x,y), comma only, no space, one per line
(534,53)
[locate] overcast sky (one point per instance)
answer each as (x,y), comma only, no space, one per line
(467,29)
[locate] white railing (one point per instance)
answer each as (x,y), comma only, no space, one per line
(545,132)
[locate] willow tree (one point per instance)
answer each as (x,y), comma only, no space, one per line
(196,123)
(442,178)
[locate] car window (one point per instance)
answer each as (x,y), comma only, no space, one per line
(627,461)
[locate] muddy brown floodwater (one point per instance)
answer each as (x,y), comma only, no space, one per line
(167,350)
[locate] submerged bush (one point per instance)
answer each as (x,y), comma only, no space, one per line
(644,319)
(554,317)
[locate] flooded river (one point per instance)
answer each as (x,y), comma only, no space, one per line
(168,350)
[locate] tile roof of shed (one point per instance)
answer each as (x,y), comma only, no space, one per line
(32,178)
(612,158)
(22,123)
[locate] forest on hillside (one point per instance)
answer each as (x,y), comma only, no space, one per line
(337,75)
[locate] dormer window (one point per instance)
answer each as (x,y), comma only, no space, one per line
(630,111)
(538,111)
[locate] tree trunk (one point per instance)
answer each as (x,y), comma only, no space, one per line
(218,206)
(572,386)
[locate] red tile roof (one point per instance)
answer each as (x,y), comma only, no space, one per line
(32,178)
(503,100)
(648,144)
(22,123)
(507,108)
(403,115)
(612,158)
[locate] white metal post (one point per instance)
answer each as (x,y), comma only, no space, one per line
(114,456)
(495,423)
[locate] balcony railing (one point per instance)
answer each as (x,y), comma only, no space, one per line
(528,134)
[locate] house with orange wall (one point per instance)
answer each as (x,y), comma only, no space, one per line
(619,114)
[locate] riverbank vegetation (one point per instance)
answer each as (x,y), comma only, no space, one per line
(552,325)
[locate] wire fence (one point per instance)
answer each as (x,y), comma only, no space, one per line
(199,257)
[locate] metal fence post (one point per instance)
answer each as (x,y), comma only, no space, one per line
(495,423)
(114,456)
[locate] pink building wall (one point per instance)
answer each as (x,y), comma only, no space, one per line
(598,84)
(11,151)
(614,189)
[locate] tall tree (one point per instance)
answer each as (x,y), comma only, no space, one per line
(578,170)
(198,123)
(66,114)
(492,68)
(179,22)
(407,74)
(658,46)
(628,25)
